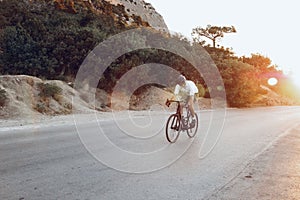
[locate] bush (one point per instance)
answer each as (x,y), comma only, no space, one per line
(3,97)
(49,90)
(41,107)
(68,106)
(201,90)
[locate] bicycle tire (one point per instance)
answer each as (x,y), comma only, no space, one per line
(191,131)
(173,128)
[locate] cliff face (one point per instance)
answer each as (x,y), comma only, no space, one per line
(133,10)
(145,10)
(117,10)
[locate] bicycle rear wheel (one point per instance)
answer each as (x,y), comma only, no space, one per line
(193,128)
(173,128)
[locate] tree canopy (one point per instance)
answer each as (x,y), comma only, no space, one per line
(211,32)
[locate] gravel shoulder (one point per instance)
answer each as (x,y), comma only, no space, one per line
(274,174)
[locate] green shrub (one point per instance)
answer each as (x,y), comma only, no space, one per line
(41,107)
(3,97)
(68,106)
(201,90)
(49,90)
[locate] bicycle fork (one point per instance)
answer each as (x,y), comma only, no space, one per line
(176,123)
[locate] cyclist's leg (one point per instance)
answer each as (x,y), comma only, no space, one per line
(193,121)
(191,105)
(181,108)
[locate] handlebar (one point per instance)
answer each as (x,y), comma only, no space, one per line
(168,102)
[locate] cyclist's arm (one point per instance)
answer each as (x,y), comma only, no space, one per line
(176,92)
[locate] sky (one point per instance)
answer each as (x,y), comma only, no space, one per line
(270,28)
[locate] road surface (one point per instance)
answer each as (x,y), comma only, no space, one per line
(51,162)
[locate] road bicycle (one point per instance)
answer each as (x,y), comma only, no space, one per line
(177,123)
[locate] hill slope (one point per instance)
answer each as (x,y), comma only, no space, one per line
(27,96)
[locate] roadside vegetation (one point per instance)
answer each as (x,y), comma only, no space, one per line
(49,90)
(3,97)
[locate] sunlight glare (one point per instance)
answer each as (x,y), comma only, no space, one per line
(296,77)
(272,81)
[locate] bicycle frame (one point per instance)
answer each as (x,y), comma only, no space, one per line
(178,112)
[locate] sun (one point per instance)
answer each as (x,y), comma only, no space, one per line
(272,81)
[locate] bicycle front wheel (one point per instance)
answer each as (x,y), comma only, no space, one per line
(173,128)
(192,126)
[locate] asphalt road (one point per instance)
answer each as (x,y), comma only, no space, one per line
(51,162)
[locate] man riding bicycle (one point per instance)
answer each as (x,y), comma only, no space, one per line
(185,91)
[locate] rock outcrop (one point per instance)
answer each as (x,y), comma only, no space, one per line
(134,9)
(145,10)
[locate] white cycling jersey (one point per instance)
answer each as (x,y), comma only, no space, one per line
(183,92)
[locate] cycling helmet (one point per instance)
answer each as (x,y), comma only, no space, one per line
(181,79)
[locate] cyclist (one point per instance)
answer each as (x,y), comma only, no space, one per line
(185,91)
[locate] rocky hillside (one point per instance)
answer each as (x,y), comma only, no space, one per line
(136,11)
(26,96)
(97,7)
(145,10)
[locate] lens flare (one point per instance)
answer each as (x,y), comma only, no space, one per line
(272,81)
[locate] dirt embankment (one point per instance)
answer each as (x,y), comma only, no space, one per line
(26,96)
(271,98)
